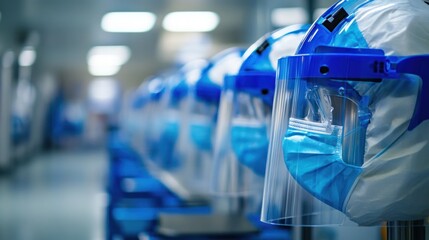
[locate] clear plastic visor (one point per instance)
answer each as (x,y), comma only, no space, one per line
(193,149)
(240,150)
(318,126)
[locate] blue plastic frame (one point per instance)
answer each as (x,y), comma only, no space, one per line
(348,64)
(205,88)
(257,75)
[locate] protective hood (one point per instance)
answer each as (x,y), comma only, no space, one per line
(399,27)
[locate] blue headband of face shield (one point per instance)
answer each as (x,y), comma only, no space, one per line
(207,91)
(257,74)
(258,84)
(318,150)
(152,91)
(179,90)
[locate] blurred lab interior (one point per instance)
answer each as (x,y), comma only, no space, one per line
(109,128)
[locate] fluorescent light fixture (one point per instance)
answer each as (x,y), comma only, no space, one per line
(190,21)
(318,12)
(108,55)
(288,16)
(27,57)
(103,90)
(103,70)
(128,21)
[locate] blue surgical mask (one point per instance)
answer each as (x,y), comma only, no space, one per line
(250,145)
(309,152)
(170,132)
(201,134)
(152,129)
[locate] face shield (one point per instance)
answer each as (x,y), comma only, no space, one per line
(241,142)
(195,145)
(398,27)
(22,111)
(144,124)
(136,101)
(130,114)
(172,117)
(352,142)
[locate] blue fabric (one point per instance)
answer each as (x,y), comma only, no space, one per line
(315,162)
(201,135)
(250,145)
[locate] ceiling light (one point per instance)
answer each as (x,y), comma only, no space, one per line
(288,16)
(108,55)
(103,90)
(190,21)
(128,21)
(27,57)
(103,70)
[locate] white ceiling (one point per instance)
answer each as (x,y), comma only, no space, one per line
(69,28)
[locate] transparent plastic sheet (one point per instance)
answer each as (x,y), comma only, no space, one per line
(285,201)
(241,142)
(128,119)
(193,150)
(162,125)
(136,123)
(151,125)
(132,121)
(168,137)
(240,149)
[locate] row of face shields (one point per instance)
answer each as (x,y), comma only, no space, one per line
(18,99)
(320,135)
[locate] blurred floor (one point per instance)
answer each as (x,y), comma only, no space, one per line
(58,195)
